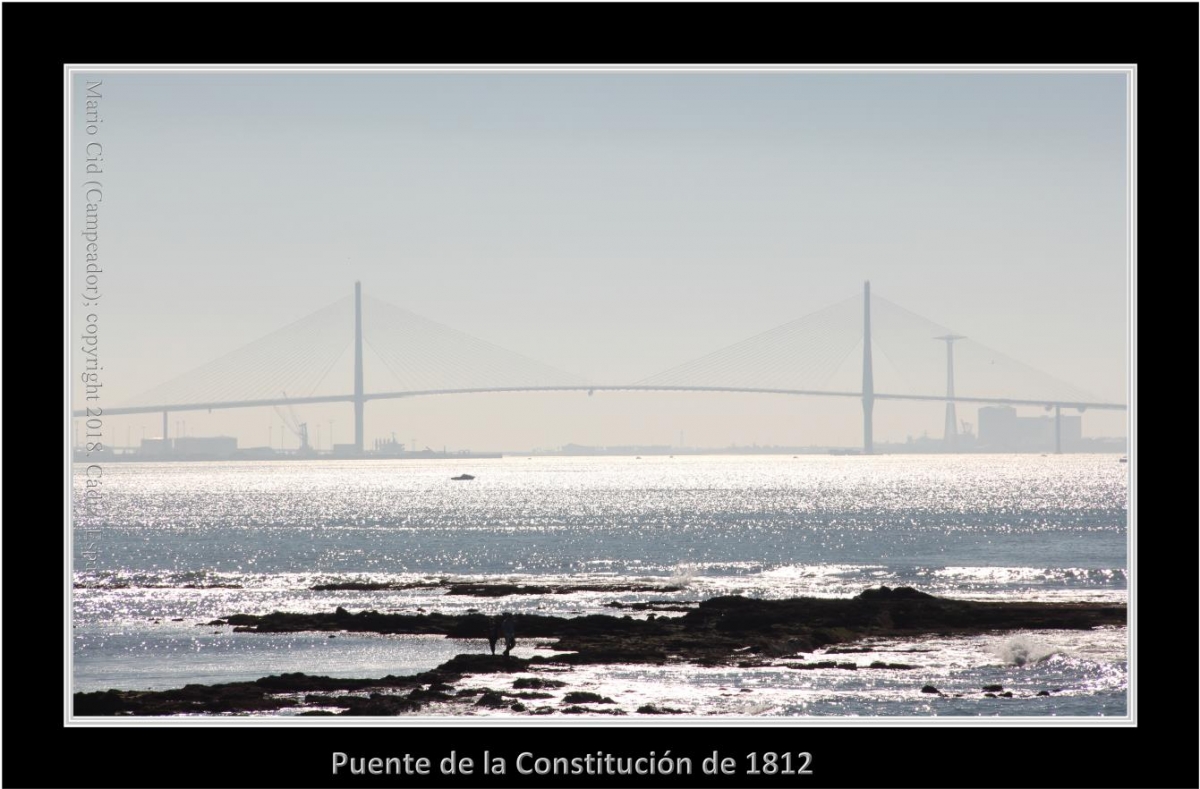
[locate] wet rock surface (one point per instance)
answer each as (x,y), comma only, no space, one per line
(586,697)
(651,709)
(716,632)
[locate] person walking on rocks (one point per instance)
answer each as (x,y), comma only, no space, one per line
(493,633)
(509,627)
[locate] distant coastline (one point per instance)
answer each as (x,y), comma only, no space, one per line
(1105,446)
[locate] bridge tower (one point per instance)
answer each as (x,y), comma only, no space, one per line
(868,379)
(950,436)
(358,369)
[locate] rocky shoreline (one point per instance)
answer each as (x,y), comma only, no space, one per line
(723,631)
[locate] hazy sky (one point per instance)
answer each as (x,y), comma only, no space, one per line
(612,225)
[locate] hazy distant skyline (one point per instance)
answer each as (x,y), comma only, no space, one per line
(612,225)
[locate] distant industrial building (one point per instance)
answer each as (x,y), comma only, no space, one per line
(256,453)
(581,449)
(1001,430)
(189,447)
(389,447)
(205,446)
(155,447)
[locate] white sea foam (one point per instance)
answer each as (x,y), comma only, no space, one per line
(684,575)
(1020,650)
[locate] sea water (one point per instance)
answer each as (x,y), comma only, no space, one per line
(176,545)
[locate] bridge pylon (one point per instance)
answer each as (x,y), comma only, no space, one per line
(950,434)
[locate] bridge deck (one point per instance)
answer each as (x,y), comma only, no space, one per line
(349,398)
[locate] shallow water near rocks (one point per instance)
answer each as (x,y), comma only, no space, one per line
(196,542)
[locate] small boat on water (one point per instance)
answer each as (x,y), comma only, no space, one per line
(461,477)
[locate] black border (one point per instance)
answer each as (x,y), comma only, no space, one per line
(40,38)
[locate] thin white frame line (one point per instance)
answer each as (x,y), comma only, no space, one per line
(1129,719)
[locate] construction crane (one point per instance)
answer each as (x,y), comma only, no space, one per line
(298,428)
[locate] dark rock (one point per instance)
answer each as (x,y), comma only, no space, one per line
(295,682)
(537,683)
(380,705)
(318,712)
(103,702)
(899,593)
(715,632)
(491,699)
(577,710)
(425,696)
(650,709)
(782,648)
(517,707)
(485,664)
(1007,694)
(930,689)
(325,699)
(993,688)
(585,697)
(211,699)
(990,695)
(1043,693)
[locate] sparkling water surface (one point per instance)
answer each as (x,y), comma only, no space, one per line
(200,541)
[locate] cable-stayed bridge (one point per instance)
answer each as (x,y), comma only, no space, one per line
(905,357)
